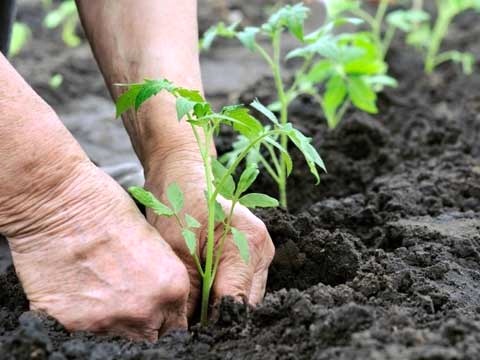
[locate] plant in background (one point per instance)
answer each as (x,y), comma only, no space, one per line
(220,180)
(382,25)
(420,31)
(66,16)
(428,36)
(349,67)
(21,33)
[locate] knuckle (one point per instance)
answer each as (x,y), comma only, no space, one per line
(174,289)
(259,234)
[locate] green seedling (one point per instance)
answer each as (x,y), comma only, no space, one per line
(420,31)
(349,67)
(21,34)
(220,180)
(405,20)
(66,17)
(428,36)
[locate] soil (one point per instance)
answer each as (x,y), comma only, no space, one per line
(380,261)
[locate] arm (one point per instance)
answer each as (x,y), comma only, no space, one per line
(147,39)
(159,39)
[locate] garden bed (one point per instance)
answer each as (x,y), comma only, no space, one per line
(380,261)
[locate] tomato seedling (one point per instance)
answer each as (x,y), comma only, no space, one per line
(421,32)
(428,36)
(220,179)
(348,66)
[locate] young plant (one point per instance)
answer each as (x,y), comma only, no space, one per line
(220,180)
(66,16)
(405,20)
(428,36)
(21,34)
(349,67)
(417,24)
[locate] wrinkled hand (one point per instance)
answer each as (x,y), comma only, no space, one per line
(244,282)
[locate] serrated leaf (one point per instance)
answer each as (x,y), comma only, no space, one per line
(240,240)
(192,222)
(190,240)
(247,37)
(247,178)
(183,107)
(226,189)
(192,95)
(151,88)
(126,101)
(175,197)
(362,95)
(245,123)
(257,105)
(149,200)
(311,155)
(255,200)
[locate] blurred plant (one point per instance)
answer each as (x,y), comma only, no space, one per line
(349,67)
(66,16)
(55,81)
(220,180)
(421,32)
(427,35)
(21,34)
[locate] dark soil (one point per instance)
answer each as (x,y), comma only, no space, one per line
(381,261)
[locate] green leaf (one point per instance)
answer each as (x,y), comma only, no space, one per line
(192,222)
(291,17)
(406,20)
(247,178)
(126,101)
(217,30)
(241,242)
(149,200)
(286,156)
(320,71)
(255,200)
(245,123)
(190,240)
(311,155)
(151,88)
(192,95)
(56,81)
(338,7)
(175,197)
(335,93)
(21,33)
(257,105)
(247,37)
(226,189)
(362,95)
(219,213)
(184,107)
(383,80)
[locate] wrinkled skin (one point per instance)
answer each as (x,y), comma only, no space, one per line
(99,266)
(245,282)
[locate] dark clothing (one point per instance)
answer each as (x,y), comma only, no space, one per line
(7,14)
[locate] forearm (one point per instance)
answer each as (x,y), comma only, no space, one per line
(147,39)
(32,139)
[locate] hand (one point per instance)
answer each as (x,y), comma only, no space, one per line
(244,282)
(87,257)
